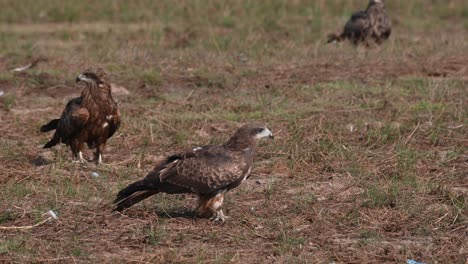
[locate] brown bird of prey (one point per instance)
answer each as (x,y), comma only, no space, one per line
(208,171)
(370,24)
(91,118)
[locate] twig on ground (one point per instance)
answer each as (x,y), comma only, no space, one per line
(24,227)
(412,133)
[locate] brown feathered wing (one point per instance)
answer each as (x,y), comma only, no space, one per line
(72,120)
(382,26)
(358,27)
(114,123)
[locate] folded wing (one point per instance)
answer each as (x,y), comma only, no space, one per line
(205,170)
(72,120)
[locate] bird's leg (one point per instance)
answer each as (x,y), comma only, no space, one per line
(215,204)
(80,156)
(210,206)
(77,154)
(219,216)
(98,154)
(202,208)
(98,158)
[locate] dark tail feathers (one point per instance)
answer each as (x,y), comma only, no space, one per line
(50,126)
(132,194)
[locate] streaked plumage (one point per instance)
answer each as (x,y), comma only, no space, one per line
(91,118)
(208,171)
(371,24)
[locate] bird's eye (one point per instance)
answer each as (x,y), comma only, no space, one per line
(259,130)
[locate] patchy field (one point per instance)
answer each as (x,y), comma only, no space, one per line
(369,163)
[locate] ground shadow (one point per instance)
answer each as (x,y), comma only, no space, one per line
(176,213)
(39,161)
(163,213)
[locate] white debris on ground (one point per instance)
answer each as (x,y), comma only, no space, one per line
(22,68)
(351,128)
(51,214)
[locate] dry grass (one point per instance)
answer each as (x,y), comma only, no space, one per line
(369,164)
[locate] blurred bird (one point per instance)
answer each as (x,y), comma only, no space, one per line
(91,118)
(372,23)
(208,171)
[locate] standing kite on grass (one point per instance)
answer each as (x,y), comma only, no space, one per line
(372,23)
(208,171)
(91,118)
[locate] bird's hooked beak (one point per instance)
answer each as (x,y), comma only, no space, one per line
(83,78)
(266,133)
(271,135)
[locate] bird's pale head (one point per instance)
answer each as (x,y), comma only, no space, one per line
(93,76)
(261,132)
(376,2)
(248,135)
(254,131)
